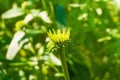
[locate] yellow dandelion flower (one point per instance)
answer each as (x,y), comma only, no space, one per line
(59,35)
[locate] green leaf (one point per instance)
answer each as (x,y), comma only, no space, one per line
(44,16)
(15,45)
(54,60)
(34,31)
(15,12)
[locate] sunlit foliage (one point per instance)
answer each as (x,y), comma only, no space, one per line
(92,54)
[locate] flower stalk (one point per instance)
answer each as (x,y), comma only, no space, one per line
(63,62)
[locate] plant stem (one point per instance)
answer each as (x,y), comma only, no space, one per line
(63,62)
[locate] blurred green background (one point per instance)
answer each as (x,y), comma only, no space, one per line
(94,51)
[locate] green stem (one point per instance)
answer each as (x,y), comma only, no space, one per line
(63,62)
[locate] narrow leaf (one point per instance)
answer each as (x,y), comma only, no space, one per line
(15,12)
(15,45)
